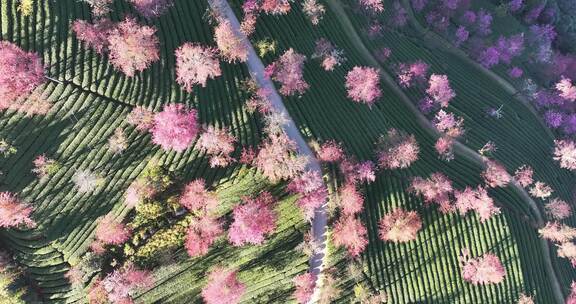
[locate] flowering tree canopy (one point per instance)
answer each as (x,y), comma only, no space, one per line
(331,56)
(196,64)
(141,117)
(14,213)
(86,181)
(449,124)
(94,35)
(201,235)
(495,175)
(557,232)
(524,176)
(232,47)
(99,7)
(253,220)
(435,189)
(439,89)
(304,284)
(565,153)
(218,144)
(350,233)
(477,200)
(152,8)
(110,231)
(276,7)
(313,10)
(277,160)
(483,270)
(372,5)
(120,284)
(558,209)
(330,151)
(567,89)
(175,127)
(133,47)
(223,287)
(363,85)
(312,190)
(568,250)
(288,71)
(400,226)
(21,73)
(541,190)
(397,150)
(351,200)
(197,199)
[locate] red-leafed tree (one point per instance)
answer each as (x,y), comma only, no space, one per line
(121,284)
(152,8)
(197,199)
(495,175)
(483,270)
(253,220)
(524,176)
(201,234)
(94,35)
(288,71)
(232,47)
(304,284)
(477,200)
(21,73)
(350,233)
(133,47)
(556,232)
(110,232)
(351,200)
(397,150)
(558,209)
(363,85)
(218,144)
(436,189)
(175,127)
(223,287)
(13,212)
(400,226)
(565,153)
(195,64)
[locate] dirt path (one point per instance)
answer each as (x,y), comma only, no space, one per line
(459,148)
(256,68)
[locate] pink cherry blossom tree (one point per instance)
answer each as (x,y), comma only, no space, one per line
(21,73)
(133,47)
(13,212)
(218,144)
(477,200)
(436,189)
(195,64)
(253,220)
(439,90)
(232,47)
(556,232)
(251,10)
(277,158)
(109,232)
(524,176)
(121,284)
(449,124)
(44,167)
(152,8)
(313,193)
(558,209)
(141,118)
(445,147)
(330,152)
(197,199)
(541,190)
(572,297)
(313,10)
(350,199)
(350,233)
(276,7)
(410,73)
(567,89)
(94,35)
(400,226)
(495,175)
(483,270)
(288,71)
(201,234)
(376,6)
(175,127)
(304,284)
(397,150)
(565,153)
(567,250)
(330,56)
(363,85)
(99,7)
(223,287)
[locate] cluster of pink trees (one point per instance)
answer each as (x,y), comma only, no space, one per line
(563,236)
(131,47)
(13,212)
(363,85)
(477,200)
(486,269)
(253,220)
(223,287)
(175,128)
(118,286)
(400,226)
(288,71)
(435,189)
(397,150)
